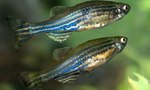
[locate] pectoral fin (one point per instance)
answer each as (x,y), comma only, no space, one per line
(58,37)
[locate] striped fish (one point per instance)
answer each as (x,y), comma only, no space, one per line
(85,57)
(83,16)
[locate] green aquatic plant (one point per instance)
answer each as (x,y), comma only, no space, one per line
(140,83)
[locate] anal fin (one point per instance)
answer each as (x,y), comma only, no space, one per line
(58,37)
(67,78)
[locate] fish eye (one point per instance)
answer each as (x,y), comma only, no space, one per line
(126,7)
(123,40)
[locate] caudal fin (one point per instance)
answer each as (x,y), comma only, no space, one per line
(21,29)
(23,32)
(31,80)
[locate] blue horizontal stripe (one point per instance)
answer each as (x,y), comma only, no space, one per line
(63,28)
(80,61)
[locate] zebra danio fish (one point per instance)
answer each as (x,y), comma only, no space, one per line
(64,20)
(85,57)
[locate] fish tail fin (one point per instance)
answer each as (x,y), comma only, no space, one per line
(33,80)
(21,29)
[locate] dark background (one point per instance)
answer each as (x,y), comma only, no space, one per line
(36,54)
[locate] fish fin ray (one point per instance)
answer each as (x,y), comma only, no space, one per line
(31,79)
(21,29)
(57,10)
(67,78)
(58,37)
(60,53)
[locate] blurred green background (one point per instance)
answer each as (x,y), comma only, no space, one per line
(36,54)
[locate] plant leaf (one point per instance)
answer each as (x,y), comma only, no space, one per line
(140,84)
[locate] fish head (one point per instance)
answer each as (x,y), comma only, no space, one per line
(105,49)
(121,10)
(110,47)
(120,43)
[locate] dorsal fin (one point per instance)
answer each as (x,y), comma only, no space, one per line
(55,11)
(59,54)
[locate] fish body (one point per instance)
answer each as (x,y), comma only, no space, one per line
(83,16)
(85,57)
